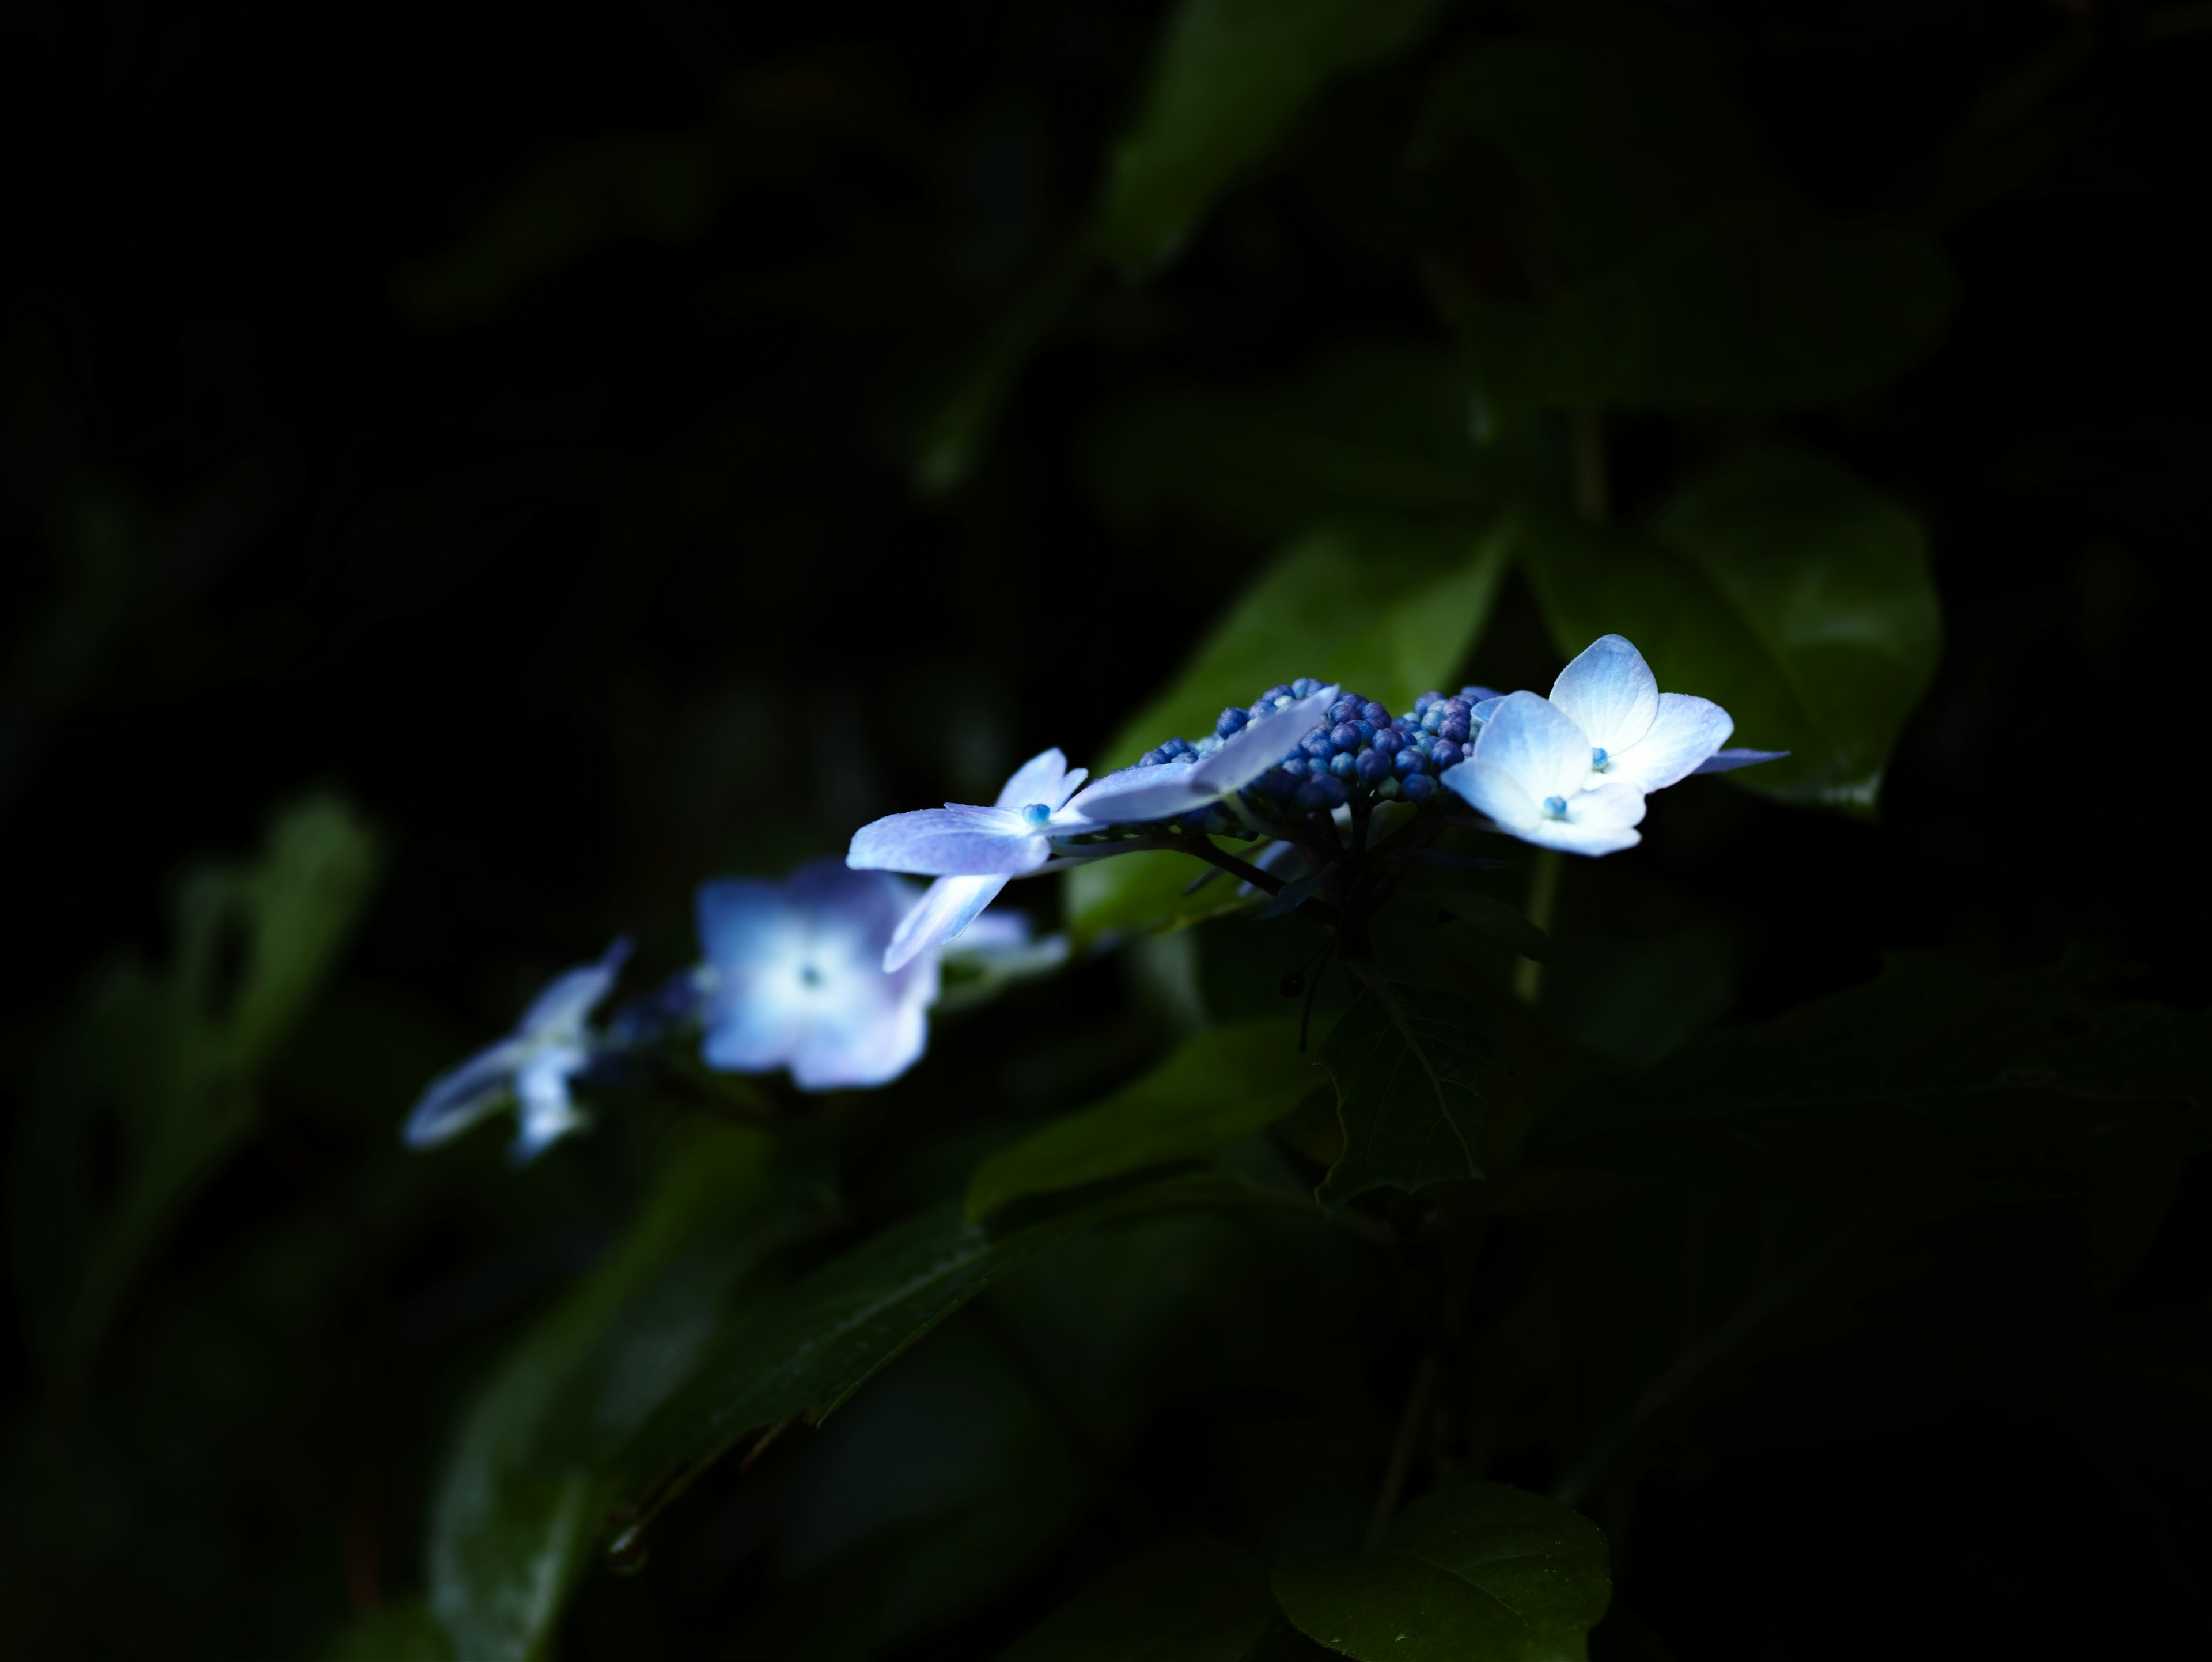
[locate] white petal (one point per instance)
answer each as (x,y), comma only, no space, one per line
(1611,693)
(561,1009)
(457,1099)
(955,841)
(1571,838)
(1686,732)
(1245,755)
(1134,794)
(1609,807)
(1038,780)
(1543,748)
(1492,790)
(945,909)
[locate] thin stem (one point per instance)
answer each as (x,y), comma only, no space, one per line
(1411,1423)
(1543,901)
(1200,846)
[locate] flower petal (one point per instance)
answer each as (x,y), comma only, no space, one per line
(950,841)
(1687,731)
(1133,794)
(1488,788)
(1038,780)
(567,999)
(1249,753)
(1611,693)
(1543,748)
(459,1098)
(548,1113)
(738,918)
(1571,838)
(946,908)
(871,1040)
(1722,761)
(1609,807)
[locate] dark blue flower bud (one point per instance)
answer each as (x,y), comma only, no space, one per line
(1405,723)
(1151,758)
(1344,765)
(1366,729)
(1418,787)
(1409,762)
(1304,686)
(1278,783)
(1454,728)
(1425,742)
(1314,793)
(1317,745)
(1374,766)
(1280,690)
(1232,722)
(1432,718)
(1342,710)
(1389,741)
(1445,754)
(1476,695)
(1456,707)
(1294,766)
(1334,790)
(1374,715)
(1421,704)
(1345,736)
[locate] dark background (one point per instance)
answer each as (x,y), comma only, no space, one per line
(590,580)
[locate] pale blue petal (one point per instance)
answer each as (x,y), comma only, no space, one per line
(1492,790)
(1538,743)
(560,1009)
(946,908)
(1486,707)
(1260,744)
(869,1040)
(1068,787)
(1686,732)
(1571,838)
(996,932)
(548,1114)
(1135,795)
(739,919)
(1038,780)
(837,897)
(950,841)
(1610,693)
(1609,807)
(1721,761)
(457,1099)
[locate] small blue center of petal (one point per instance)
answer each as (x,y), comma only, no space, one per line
(1598,757)
(1556,807)
(810,975)
(1036,813)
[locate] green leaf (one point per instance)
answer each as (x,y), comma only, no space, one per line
(1146,893)
(1494,918)
(1218,1087)
(1230,79)
(529,1479)
(807,1349)
(169,1059)
(1372,431)
(1386,609)
(1193,1601)
(1781,588)
(2024,1082)
(1484,1571)
(1405,1060)
(400,1633)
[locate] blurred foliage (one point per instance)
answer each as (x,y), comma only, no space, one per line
(623,451)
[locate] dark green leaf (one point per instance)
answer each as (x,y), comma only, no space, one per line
(528,1483)
(1405,1060)
(1193,1601)
(169,1060)
(806,1350)
(400,1633)
(1781,588)
(1386,609)
(1216,1088)
(1278,1641)
(1485,1571)
(2023,1082)
(1230,77)
(1494,918)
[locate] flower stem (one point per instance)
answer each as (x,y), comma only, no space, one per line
(1543,900)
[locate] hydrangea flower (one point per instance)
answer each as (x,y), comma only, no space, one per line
(794,978)
(1189,783)
(532,1066)
(1530,773)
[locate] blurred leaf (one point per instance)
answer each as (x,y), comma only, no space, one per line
(1482,1571)
(806,1350)
(1405,1060)
(2137,1386)
(1494,918)
(1218,1087)
(1192,1601)
(1680,271)
(401,1632)
(1278,1641)
(1781,588)
(663,186)
(167,1061)
(1929,1068)
(1370,431)
(1230,79)
(528,1483)
(1388,610)
(1137,894)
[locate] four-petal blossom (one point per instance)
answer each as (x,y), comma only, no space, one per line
(1530,774)
(794,978)
(548,1047)
(1635,734)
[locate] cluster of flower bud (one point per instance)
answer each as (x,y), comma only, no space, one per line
(1360,752)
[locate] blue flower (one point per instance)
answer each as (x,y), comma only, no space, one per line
(531,1066)
(1187,786)
(971,851)
(1530,773)
(794,978)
